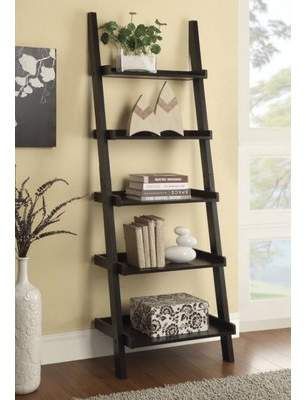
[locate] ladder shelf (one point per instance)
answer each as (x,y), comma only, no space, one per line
(118,326)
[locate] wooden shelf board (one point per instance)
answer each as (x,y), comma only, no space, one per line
(134,338)
(108,71)
(119,198)
(121,134)
(203,260)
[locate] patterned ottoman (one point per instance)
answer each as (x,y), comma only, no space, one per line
(169,314)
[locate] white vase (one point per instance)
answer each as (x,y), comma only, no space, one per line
(28,332)
(127,62)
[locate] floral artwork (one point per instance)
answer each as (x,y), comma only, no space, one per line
(35,97)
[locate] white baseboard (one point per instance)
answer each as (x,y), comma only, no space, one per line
(263,325)
(90,343)
(76,345)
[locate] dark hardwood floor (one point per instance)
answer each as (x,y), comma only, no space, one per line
(254,351)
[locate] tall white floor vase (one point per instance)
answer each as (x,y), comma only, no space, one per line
(28,332)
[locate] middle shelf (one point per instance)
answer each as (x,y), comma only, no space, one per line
(119,198)
(203,260)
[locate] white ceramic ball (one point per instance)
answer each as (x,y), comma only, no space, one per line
(186,240)
(180,254)
(181,230)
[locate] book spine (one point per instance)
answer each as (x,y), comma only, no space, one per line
(160,244)
(158,186)
(159,178)
(166,179)
(151,233)
(140,249)
(149,193)
(134,245)
(157,198)
(152,244)
(146,246)
(159,239)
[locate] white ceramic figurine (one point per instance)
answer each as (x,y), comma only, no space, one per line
(183,252)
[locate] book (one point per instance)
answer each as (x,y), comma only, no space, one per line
(151,230)
(134,245)
(157,186)
(146,245)
(157,198)
(158,178)
(159,239)
(152,193)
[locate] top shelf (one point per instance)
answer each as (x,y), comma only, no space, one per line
(108,71)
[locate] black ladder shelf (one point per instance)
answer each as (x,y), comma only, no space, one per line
(118,325)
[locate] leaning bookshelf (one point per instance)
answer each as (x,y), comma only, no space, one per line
(118,325)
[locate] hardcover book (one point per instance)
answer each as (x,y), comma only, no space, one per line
(157,186)
(151,230)
(158,178)
(146,246)
(134,245)
(159,239)
(157,198)
(152,193)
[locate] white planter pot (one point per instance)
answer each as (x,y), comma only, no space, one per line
(135,63)
(28,332)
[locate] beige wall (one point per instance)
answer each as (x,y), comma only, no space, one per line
(74,291)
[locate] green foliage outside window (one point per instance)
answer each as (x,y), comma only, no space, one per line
(269,98)
(269,269)
(270,183)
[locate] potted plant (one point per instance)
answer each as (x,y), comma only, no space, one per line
(32,218)
(138,45)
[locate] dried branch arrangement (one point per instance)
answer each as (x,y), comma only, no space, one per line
(32,216)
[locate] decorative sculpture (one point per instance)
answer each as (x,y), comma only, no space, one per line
(164,116)
(142,118)
(167,111)
(183,252)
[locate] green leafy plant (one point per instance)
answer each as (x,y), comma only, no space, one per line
(134,39)
(32,216)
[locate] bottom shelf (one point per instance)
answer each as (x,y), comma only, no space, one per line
(133,338)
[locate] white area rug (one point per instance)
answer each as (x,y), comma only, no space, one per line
(273,385)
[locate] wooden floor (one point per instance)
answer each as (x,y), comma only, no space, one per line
(254,352)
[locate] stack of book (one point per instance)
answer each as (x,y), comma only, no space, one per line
(144,241)
(158,187)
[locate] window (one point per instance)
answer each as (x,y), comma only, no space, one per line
(269,55)
(269,268)
(264,159)
(269,183)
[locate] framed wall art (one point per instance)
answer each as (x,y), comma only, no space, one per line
(35,97)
